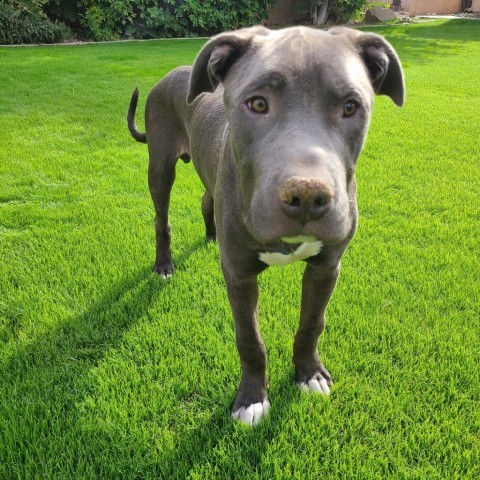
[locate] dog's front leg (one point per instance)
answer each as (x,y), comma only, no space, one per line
(317,287)
(251,402)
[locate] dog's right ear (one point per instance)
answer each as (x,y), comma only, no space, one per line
(381,61)
(217,56)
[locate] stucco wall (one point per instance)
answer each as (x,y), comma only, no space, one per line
(440,7)
(476,6)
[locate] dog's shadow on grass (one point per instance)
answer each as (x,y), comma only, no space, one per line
(51,374)
(230,447)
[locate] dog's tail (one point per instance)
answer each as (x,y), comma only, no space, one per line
(132,126)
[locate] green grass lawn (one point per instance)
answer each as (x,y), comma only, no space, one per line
(106,371)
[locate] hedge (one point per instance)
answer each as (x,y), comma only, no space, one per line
(18,27)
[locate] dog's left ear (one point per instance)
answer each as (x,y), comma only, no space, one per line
(381,60)
(217,56)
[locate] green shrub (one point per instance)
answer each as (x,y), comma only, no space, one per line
(107,19)
(344,10)
(17,26)
(209,16)
(159,19)
(101,26)
(169,18)
(112,19)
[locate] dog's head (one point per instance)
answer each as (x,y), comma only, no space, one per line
(298,103)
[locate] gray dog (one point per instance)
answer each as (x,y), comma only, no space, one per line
(275,122)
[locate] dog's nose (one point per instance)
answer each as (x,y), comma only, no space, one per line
(305,199)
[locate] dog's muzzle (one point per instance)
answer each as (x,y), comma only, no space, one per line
(305,199)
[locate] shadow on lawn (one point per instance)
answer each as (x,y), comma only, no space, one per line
(417,44)
(449,30)
(45,379)
(208,443)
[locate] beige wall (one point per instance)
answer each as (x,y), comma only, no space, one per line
(286,12)
(440,7)
(476,6)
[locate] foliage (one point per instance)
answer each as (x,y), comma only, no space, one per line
(106,19)
(212,16)
(111,19)
(25,23)
(30,6)
(338,11)
(158,19)
(342,10)
(70,12)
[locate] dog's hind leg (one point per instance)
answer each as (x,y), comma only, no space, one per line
(208,216)
(161,175)
(167,141)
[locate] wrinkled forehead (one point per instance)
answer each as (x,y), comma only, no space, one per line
(301,56)
(304,44)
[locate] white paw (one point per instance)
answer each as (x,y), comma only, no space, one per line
(252,414)
(314,385)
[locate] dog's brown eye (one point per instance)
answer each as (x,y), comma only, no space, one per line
(258,105)
(350,108)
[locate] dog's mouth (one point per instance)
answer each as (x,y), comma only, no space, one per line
(300,239)
(331,230)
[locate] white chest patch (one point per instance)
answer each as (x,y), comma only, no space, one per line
(305,250)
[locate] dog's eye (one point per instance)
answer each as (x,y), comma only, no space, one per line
(258,105)
(350,108)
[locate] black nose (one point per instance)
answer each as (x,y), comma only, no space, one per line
(305,199)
